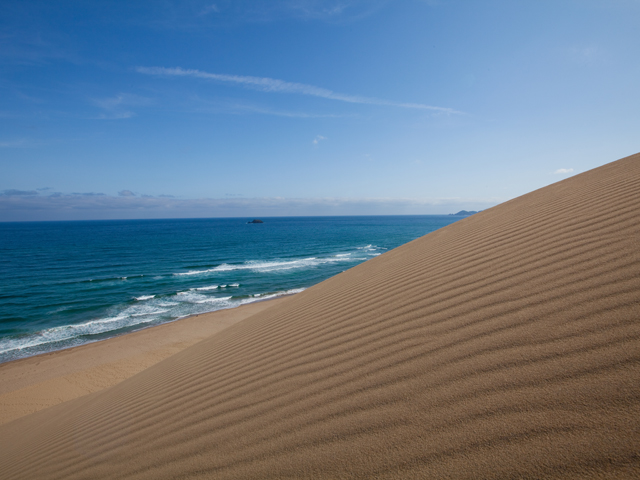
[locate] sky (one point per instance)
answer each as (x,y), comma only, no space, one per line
(233,108)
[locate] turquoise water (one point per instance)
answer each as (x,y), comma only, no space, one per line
(67,283)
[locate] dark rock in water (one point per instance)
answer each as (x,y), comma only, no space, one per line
(255,220)
(465,212)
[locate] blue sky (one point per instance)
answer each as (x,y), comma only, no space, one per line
(159,109)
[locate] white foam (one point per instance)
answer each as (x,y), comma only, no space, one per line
(153,312)
(267,296)
(138,314)
(214,300)
(370,248)
(212,287)
(272,266)
(144,297)
(194,272)
(67,332)
(189,296)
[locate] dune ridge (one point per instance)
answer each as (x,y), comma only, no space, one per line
(505,345)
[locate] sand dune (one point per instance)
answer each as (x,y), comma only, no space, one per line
(35,383)
(506,345)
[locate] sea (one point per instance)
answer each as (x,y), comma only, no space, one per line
(64,284)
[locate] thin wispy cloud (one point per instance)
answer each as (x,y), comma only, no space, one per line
(200,104)
(561,171)
(118,106)
(274,85)
(279,113)
(317,140)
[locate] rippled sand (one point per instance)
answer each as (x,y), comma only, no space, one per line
(506,345)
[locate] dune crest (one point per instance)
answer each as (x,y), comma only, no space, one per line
(506,345)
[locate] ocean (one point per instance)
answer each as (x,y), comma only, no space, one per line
(64,284)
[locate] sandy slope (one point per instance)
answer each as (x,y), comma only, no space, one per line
(35,383)
(506,345)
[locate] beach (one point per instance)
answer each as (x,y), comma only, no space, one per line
(35,383)
(504,345)
(64,284)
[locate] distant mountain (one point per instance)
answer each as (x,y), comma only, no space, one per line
(465,213)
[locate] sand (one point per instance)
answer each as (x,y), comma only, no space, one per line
(32,384)
(505,345)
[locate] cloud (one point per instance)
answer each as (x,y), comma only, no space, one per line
(234,108)
(126,193)
(117,107)
(13,192)
(273,85)
(89,194)
(279,113)
(93,206)
(318,139)
(563,170)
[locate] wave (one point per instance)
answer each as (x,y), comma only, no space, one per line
(144,314)
(213,287)
(370,248)
(144,297)
(151,310)
(214,300)
(275,266)
(267,296)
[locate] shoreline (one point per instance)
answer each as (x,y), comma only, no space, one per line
(142,326)
(34,383)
